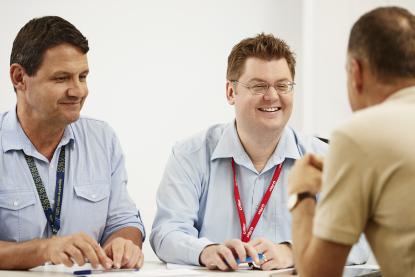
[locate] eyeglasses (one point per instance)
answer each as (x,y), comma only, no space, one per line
(263,87)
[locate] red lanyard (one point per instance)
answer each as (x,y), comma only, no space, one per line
(246,235)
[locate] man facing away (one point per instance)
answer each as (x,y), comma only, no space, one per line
(63,195)
(368,178)
(224,192)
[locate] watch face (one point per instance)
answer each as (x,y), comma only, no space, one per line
(292,200)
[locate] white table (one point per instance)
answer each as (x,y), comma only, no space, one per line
(149,265)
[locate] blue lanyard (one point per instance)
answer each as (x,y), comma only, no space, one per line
(53,216)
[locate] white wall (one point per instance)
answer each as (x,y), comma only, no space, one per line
(158,67)
(326,27)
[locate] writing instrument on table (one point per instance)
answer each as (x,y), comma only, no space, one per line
(98,271)
(250,259)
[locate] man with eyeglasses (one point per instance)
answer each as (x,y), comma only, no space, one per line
(224,192)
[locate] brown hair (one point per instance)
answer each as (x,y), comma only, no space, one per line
(266,47)
(385,39)
(40,34)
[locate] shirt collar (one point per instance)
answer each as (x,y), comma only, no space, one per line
(402,93)
(14,137)
(229,146)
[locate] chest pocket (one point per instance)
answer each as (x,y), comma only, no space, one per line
(92,202)
(16,214)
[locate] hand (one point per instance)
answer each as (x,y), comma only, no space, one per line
(222,256)
(124,253)
(277,256)
(79,248)
(305,175)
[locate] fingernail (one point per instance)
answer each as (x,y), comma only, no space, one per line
(117,265)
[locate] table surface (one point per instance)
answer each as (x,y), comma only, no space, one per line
(148,265)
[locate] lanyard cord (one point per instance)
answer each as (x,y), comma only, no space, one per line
(246,234)
(53,217)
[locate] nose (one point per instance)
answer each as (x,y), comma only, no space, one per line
(271,94)
(77,89)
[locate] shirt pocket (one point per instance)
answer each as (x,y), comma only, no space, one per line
(92,201)
(16,214)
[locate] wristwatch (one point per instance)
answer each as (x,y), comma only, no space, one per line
(296,198)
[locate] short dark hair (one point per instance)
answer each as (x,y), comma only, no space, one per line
(262,46)
(40,34)
(385,39)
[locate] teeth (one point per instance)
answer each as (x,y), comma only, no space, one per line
(269,109)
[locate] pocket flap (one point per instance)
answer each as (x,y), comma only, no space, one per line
(17,200)
(93,193)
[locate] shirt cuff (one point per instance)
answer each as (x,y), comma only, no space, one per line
(199,245)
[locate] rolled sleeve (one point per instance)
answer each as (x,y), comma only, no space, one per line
(122,211)
(174,237)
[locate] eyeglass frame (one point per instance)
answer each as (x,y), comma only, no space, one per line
(249,87)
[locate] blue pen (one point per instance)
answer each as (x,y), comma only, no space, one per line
(98,271)
(250,259)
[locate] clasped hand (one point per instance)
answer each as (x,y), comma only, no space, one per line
(79,248)
(223,256)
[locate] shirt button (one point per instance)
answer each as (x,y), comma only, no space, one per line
(94,196)
(15,203)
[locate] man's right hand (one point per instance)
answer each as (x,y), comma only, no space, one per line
(222,256)
(77,248)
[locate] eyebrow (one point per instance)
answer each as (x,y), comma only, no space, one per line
(261,80)
(68,73)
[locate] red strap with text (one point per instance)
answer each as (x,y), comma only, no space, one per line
(246,234)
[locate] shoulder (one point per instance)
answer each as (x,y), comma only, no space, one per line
(202,142)
(307,143)
(91,130)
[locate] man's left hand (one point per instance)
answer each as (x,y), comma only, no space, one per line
(305,175)
(277,256)
(124,253)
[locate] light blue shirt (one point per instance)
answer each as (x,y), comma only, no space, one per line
(95,197)
(195,200)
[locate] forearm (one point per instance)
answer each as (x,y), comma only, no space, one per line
(302,225)
(22,255)
(130,233)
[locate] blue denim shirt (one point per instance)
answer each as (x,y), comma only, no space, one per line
(95,197)
(195,200)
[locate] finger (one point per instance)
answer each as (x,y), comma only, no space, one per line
(74,253)
(140,260)
(117,252)
(220,263)
(64,259)
(88,252)
(251,251)
(316,161)
(227,257)
(238,248)
(129,248)
(103,259)
(132,263)
(269,265)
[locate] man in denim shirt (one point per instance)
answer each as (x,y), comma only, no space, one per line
(216,183)
(63,195)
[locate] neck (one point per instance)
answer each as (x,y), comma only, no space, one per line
(44,135)
(379,91)
(259,147)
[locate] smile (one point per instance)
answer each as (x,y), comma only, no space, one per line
(270,110)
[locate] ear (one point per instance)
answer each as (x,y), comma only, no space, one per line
(230,92)
(17,76)
(356,72)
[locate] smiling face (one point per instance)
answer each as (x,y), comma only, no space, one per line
(56,93)
(261,114)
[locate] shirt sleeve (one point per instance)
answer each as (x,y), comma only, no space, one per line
(175,237)
(343,208)
(122,211)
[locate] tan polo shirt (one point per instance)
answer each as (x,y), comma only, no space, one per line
(369,183)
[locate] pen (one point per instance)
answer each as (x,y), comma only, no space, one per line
(98,271)
(250,259)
